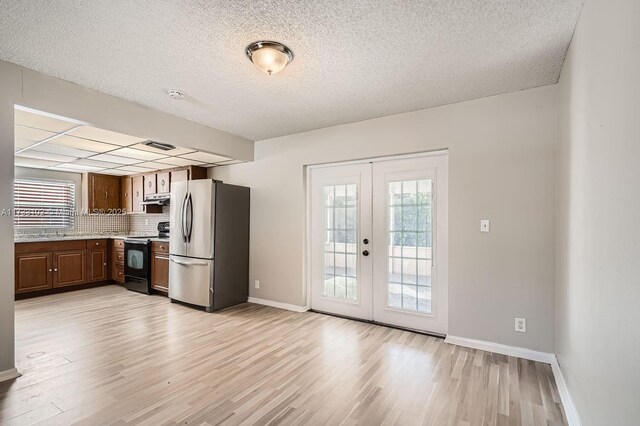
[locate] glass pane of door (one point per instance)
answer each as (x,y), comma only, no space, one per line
(340,204)
(410,245)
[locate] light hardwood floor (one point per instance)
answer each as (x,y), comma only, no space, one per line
(108,356)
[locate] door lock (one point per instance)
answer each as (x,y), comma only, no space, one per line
(365,241)
(365,253)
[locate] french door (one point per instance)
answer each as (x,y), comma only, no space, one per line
(378,241)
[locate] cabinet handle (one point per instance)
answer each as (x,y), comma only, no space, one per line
(97,244)
(55,269)
(137,194)
(104,264)
(106,194)
(50,269)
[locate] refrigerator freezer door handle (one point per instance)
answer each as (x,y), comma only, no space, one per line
(184,219)
(190,207)
(182,262)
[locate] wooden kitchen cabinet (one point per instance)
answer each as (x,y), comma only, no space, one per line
(117,261)
(104,193)
(126,197)
(150,184)
(163,182)
(33,272)
(69,268)
(97,260)
(137,193)
(53,265)
(160,266)
(179,175)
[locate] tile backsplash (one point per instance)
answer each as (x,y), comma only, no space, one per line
(138,223)
(105,224)
(84,225)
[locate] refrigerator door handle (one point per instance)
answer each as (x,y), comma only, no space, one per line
(182,262)
(184,219)
(190,207)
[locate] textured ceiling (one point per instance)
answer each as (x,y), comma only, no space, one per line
(354,60)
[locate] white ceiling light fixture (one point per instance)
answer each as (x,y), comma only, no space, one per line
(270,57)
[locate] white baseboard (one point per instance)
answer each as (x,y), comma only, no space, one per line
(9,374)
(567,402)
(499,348)
(287,306)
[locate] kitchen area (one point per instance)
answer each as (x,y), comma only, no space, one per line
(94,207)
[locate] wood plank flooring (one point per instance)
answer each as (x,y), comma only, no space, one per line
(107,356)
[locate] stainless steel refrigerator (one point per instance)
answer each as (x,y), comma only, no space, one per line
(209,245)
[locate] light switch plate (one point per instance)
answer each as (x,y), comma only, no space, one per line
(256,283)
(484,225)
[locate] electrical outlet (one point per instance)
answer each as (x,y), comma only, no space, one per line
(256,283)
(521,325)
(484,225)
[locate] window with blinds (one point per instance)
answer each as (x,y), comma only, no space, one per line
(44,203)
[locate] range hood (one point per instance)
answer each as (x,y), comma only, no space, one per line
(157,199)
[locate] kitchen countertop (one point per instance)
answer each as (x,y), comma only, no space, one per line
(46,238)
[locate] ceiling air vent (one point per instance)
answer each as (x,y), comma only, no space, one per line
(159,145)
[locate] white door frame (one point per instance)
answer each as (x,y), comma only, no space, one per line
(444,242)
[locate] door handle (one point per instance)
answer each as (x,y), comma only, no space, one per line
(182,262)
(184,219)
(190,207)
(365,253)
(365,241)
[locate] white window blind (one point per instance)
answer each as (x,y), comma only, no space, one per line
(44,203)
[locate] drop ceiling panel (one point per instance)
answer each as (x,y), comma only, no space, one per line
(100,135)
(32,134)
(135,169)
(33,162)
(115,159)
(23,143)
(140,155)
(95,163)
(180,162)
(205,157)
(63,150)
(172,152)
(42,122)
(155,165)
(116,172)
(32,153)
(78,168)
(84,144)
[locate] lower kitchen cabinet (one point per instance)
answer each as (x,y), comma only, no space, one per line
(34,272)
(97,261)
(160,266)
(117,261)
(69,268)
(60,264)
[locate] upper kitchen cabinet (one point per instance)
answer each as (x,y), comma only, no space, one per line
(137,193)
(163,182)
(104,193)
(150,184)
(126,195)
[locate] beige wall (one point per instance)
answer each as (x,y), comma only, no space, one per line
(9,91)
(598,266)
(501,154)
